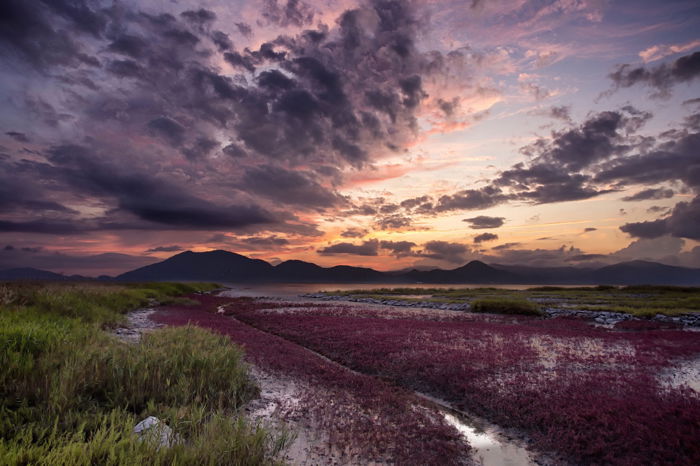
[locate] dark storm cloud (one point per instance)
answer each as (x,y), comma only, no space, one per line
(414,202)
(173,248)
(293,12)
(18,136)
(559,168)
(133,46)
(148,198)
(157,89)
(485,237)
(651,193)
(234,150)
(650,229)
(660,77)
(655,209)
(28,29)
(125,68)
(683,222)
(289,187)
(244,29)
(455,253)
(42,226)
(483,221)
(597,138)
(168,129)
(221,40)
(561,112)
(675,159)
(393,222)
(398,248)
(200,148)
(556,170)
(265,241)
(18,192)
(471,199)
(200,18)
(367,248)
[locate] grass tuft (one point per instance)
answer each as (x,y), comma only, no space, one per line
(506,306)
(70,393)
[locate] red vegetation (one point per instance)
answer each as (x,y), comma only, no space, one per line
(362,414)
(593,395)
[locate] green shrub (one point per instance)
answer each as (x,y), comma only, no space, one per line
(506,306)
(215,440)
(71,394)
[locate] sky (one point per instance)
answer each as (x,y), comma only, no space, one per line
(381,133)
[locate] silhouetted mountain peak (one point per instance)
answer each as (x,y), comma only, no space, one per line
(225,266)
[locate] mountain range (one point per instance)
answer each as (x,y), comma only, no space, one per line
(229,267)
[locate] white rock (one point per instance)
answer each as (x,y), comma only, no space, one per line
(154,430)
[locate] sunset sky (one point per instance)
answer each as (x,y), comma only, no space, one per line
(383,133)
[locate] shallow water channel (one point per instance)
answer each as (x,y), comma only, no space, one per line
(489,447)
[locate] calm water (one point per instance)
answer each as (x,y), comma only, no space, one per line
(295,289)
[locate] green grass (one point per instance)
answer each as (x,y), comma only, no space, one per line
(506,306)
(638,300)
(70,393)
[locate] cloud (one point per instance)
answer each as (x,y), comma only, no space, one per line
(149,199)
(18,136)
(471,199)
(485,237)
(173,248)
(398,248)
(393,222)
(289,187)
(661,77)
(536,257)
(586,257)
(651,193)
(455,253)
(657,52)
(661,248)
(649,229)
(684,221)
(505,246)
(367,248)
(265,241)
(557,112)
(294,12)
(169,127)
(354,233)
(483,221)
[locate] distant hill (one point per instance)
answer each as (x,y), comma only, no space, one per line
(644,272)
(473,272)
(229,267)
(203,266)
(28,273)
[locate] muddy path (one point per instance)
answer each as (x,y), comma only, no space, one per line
(491,445)
(339,416)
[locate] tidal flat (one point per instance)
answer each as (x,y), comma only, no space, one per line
(565,389)
(335,378)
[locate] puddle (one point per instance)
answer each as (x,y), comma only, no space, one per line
(488,446)
(488,451)
(684,374)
